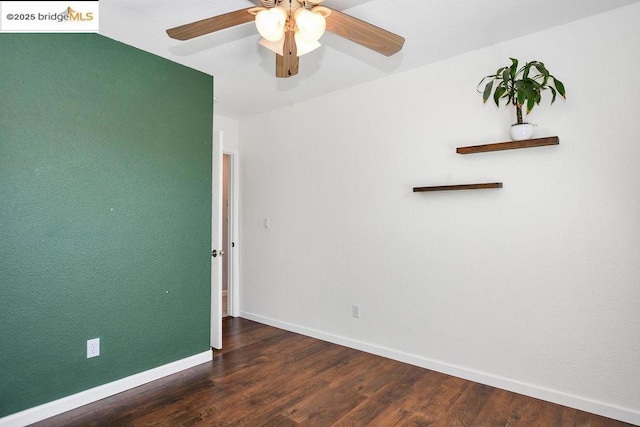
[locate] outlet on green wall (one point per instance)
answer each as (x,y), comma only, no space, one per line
(105,212)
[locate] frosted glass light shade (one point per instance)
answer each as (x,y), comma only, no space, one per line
(310,25)
(271,23)
(277,46)
(304,46)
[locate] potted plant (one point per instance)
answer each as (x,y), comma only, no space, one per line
(521,87)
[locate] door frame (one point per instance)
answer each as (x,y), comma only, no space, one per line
(217,155)
(234,264)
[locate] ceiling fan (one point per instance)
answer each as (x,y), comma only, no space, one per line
(292,28)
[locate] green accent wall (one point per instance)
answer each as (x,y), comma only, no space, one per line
(105,213)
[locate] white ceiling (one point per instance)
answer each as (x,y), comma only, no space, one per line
(244,72)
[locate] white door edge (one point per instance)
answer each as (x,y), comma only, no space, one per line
(216,241)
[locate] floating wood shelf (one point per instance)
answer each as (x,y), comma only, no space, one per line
(459,187)
(511,145)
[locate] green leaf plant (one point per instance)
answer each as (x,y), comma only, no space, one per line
(521,87)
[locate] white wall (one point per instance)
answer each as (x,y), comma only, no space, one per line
(534,287)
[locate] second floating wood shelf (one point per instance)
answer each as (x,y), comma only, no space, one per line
(511,145)
(459,187)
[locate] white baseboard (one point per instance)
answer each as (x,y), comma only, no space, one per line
(584,404)
(47,410)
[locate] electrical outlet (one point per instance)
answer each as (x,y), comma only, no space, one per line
(265,222)
(355,311)
(93,348)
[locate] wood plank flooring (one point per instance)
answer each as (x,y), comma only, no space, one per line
(270,377)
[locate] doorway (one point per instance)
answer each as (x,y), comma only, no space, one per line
(227,258)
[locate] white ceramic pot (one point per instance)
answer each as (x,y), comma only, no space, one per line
(522,131)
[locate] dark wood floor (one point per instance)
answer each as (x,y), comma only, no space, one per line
(270,377)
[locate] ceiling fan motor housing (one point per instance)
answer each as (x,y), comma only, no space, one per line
(291,5)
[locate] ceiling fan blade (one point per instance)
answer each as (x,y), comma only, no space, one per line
(287,64)
(363,33)
(210,25)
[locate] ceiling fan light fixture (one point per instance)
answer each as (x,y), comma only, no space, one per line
(310,25)
(304,46)
(271,23)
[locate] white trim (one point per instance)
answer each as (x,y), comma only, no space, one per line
(56,407)
(578,402)
(234,235)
